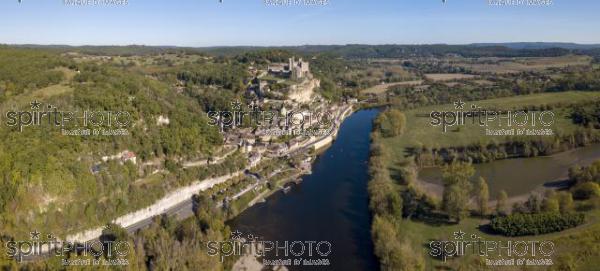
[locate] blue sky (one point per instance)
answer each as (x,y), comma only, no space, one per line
(251,22)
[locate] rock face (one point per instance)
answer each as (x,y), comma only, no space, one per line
(159,207)
(303,92)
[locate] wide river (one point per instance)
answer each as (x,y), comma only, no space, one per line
(331,204)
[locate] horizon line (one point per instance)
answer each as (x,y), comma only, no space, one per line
(297,45)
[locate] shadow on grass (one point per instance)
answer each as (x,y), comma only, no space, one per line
(487,229)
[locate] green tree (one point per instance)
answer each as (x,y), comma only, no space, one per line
(394,253)
(483,196)
(586,190)
(457,188)
(457,173)
(550,202)
(391,123)
(455,202)
(533,204)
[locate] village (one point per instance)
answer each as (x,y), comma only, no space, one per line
(294,123)
(277,153)
(278,148)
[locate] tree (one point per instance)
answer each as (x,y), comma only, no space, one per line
(391,123)
(533,204)
(455,202)
(395,204)
(586,190)
(483,196)
(384,199)
(502,204)
(550,202)
(394,253)
(457,187)
(457,172)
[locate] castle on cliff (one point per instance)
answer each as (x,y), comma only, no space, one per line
(293,69)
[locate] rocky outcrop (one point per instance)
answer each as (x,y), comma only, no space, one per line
(303,92)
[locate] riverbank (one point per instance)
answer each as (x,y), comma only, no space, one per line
(181,197)
(416,220)
(437,190)
(318,146)
(249,262)
(331,204)
(519,177)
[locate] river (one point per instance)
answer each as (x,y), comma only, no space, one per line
(331,204)
(522,175)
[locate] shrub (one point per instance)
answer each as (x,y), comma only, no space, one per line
(586,190)
(533,224)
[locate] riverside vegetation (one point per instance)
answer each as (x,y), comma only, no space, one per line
(47,182)
(406,215)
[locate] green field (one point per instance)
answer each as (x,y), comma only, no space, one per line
(420,132)
(577,247)
(567,243)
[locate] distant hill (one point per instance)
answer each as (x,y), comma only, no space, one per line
(509,49)
(540,45)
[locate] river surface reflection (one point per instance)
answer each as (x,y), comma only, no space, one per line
(330,205)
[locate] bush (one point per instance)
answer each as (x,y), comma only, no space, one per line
(586,190)
(533,224)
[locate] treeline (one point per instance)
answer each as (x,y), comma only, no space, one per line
(391,245)
(227,75)
(264,57)
(400,51)
(515,147)
(409,97)
(587,115)
(349,51)
(584,79)
(406,97)
(534,224)
(124,51)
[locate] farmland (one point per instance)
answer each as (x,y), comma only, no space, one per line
(448,76)
(516,65)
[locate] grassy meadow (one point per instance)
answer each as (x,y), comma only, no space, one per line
(567,243)
(420,132)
